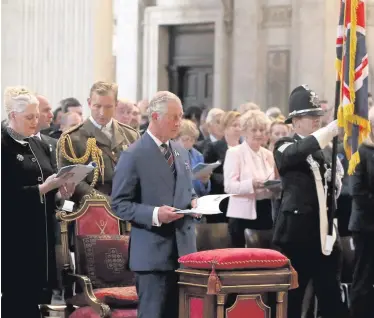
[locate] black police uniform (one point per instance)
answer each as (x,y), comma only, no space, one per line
(297,228)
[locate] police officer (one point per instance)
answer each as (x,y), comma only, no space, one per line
(301,227)
(100,139)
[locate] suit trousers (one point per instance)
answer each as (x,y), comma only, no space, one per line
(158,294)
(311,264)
(362,293)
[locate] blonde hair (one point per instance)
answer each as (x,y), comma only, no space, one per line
(104,88)
(254,118)
(16,99)
(229,118)
(279,121)
(159,103)
(188,128)
(243,108)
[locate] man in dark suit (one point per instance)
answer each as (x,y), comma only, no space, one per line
(213,122)
(147,194)
(361,224)
(45,120)
(301,227)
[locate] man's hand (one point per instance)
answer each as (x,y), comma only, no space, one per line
(194,206)
(166,214)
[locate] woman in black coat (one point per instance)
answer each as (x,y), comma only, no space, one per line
(362,226)
(29,188)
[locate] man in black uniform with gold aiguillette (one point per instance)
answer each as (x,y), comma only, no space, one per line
(301,227)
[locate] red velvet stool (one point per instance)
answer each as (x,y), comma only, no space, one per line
(209,277)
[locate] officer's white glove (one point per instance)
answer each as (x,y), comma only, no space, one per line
(333,128)
(326,134)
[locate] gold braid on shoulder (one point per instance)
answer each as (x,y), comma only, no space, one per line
(92,150)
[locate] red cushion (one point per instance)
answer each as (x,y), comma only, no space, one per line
(104,258)
(114,297)
(88,312)
(235,258)
(117,293)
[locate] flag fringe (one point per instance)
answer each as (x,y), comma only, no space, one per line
(353,162)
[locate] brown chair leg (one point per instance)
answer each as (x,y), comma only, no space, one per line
(281,305)
(221,305)
(183,306)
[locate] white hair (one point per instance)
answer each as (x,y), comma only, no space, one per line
(212,114)
(273,112)
(159,103)
(17,98)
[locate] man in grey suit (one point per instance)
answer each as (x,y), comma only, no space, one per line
(151,180)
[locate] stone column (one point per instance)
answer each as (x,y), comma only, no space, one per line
(245,43)
(332,10)
(129,39)
(103,40)
(48,46)
(310,27)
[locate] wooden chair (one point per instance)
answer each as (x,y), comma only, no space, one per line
(105,287)
(210,236)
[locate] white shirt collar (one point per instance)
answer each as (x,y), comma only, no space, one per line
(156,140)
(38,135)
(212,138)
(107,126)
(302,137)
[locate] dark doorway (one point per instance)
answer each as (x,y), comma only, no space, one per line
(191,64)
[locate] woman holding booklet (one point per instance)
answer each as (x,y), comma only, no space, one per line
(246,169)
(28,207)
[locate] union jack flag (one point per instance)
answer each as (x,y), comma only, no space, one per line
(352,77)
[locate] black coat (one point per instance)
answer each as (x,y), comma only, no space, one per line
(213,152)
(52,144)
(298,218)
(362,187)
(202,145)
(28,248)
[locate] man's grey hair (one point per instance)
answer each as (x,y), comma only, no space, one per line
(273,112)
(212,114)
(159,103)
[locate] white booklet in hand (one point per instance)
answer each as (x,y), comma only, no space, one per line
(77,172)
(207,205)
(203,169)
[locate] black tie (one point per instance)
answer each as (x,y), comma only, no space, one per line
(169,157)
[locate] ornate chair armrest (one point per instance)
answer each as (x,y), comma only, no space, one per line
(101,308)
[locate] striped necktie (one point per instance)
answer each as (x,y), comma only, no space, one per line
(169,157)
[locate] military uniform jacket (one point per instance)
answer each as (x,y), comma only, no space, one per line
(298,217)
(122,137)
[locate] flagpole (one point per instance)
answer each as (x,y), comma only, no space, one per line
(331,203)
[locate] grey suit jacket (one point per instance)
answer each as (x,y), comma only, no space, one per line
(142,181)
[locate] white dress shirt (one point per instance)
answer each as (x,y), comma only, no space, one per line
(155,220)
(106,129)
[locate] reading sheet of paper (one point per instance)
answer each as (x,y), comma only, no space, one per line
(203,169)
(206,205)
(77,172)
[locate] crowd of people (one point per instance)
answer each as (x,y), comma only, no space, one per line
(253,147)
